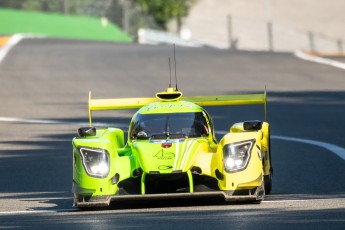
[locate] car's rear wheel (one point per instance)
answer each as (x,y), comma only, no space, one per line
(268,178)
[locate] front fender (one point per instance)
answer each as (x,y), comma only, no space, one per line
(120,165)
(250,176)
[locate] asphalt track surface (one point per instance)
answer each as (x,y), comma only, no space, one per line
(44,92)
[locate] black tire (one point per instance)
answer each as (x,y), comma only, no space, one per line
(268,183)
(268,178)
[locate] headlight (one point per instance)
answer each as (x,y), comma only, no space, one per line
(95,162)
(236,155)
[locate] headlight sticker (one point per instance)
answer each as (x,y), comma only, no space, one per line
(95,162)
(237,155)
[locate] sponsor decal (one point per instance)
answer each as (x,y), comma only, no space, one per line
(167,141)
(168,106)
(166,145)
(165,167)
(164,155)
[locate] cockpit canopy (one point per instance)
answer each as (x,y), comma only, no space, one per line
(169,126)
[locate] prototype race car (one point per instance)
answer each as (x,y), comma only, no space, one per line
(171,152)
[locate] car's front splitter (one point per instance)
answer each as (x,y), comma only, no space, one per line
(226,195)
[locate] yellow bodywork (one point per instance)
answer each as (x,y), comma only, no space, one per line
(252,176)
(209,157)
(216,100)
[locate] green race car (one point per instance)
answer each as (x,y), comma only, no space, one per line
(171,152)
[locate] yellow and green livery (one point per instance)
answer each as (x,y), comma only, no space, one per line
(171,152)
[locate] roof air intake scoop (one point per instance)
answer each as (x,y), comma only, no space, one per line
(171,94)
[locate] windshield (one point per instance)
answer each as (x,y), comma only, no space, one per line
(172,126)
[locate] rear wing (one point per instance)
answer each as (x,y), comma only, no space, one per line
(135,103)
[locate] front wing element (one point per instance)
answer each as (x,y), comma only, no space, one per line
(257,194)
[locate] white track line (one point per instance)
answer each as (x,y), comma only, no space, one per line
(11,42)
(14,40)
(302,200)
(47,211)
(38,211)
(56,122)
(337,150)
(320,60)
(36,121)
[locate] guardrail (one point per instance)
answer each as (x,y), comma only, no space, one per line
(153,37)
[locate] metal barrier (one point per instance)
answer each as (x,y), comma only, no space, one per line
(153,37)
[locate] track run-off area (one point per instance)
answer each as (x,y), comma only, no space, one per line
(44,93)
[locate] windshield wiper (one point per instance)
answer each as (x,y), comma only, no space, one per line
(177,136)
(158,136)
(165,136)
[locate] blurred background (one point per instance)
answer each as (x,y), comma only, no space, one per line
(269,25)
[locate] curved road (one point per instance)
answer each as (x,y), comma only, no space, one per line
(44,92)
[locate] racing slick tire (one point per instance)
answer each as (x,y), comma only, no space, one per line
(268,183)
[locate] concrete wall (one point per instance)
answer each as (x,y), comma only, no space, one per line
(292,22)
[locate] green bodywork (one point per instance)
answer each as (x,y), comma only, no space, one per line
(148,156)
(183,158)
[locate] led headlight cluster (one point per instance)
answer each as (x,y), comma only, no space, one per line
(95,162)
(236,155)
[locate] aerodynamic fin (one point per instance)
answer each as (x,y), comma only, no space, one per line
(116,103)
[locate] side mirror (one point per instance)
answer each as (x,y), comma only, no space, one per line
(86,131)
(254,125)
